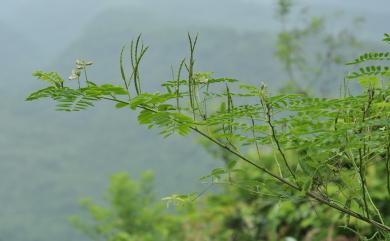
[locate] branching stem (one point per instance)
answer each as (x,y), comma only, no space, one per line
(316,196)
(267,108)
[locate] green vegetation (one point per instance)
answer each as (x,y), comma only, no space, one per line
(65,156)
(327,150)
(134,214)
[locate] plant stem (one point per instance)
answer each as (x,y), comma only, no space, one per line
(273,133)
(388,161)
(361,174)
(254,137)
(316,196)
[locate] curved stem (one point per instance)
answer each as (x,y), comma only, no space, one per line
(316,196)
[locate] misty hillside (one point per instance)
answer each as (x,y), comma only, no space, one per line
(18,53)
(223,51)
(49,160)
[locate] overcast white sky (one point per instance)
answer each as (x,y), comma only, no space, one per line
(62,21)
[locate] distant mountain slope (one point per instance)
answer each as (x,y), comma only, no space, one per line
(50,24)
(51,159)
(18,53)
(48,159)
(222,50)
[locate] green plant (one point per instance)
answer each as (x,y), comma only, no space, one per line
(132,215)
(324,149)
(311,69)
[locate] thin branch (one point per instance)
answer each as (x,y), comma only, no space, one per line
(316,196)
(361,175)
(178,84)
(388,161)
(254,137)
(274,137)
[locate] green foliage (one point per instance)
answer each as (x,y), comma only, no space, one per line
(369,72)
(31,132)
(169,122)
(371,56)
(324,149)
(237,213)
(51,77)
(387,38)
(132,214)
(308,69)
(70,99)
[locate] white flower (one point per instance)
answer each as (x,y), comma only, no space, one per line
(80,64)
(75,74)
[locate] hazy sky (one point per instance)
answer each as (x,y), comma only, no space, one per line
(54,16)
(33,33)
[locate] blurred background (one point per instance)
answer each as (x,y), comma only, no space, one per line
(49,160)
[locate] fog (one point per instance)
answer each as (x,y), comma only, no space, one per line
(49,160)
